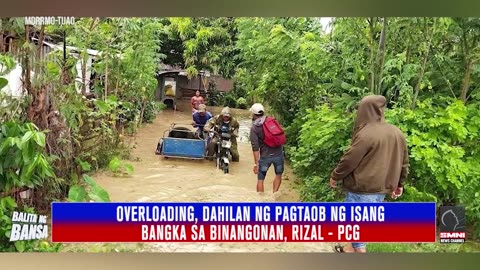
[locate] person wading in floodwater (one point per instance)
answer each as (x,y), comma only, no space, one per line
(267,139)
(376,163)
(196,101)
(200,119)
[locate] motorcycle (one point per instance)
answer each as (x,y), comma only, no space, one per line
(224,144)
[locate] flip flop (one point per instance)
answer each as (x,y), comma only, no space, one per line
(339,249)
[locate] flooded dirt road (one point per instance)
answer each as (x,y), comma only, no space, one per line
(156,179)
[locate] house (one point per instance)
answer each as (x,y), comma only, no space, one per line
(168,77)
(183,88)
(14,77)
(75,52)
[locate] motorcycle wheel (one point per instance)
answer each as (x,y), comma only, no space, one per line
(226,169)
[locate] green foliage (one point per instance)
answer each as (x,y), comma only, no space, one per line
(230,100)
(7,63)
(436,137)
(316,189)
(151,110)
(118,167)
(87,190)
(105,247)
(441,135)
(278,77)
(324,135)
(241,103)
(282,64)
(208,44)
(443,140)
(3,83)
(7,207)
(10,108)
(139,64)
(310,80)
(216,98)
(290,66)
(421,247)
(23,163)
(412,194)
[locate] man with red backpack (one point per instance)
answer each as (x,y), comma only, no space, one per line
(267,139)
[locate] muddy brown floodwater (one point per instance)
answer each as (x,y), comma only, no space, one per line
(156,179)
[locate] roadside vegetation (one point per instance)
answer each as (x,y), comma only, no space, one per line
(54,139)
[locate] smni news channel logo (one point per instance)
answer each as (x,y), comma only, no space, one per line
(49,20)
(27,226)
(452,224)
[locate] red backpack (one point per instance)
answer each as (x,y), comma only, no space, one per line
(273,133)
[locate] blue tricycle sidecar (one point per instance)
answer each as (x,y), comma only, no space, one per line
(180,142)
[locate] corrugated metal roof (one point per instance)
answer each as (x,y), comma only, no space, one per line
(71,48)
(168,71)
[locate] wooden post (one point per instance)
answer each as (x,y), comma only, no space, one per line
(1,36)
(106,80)
(64,49)
(199,82)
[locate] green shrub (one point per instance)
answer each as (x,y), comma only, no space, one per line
(324,136)
(118,167)
(22,159)
(86,190)
(442,137)
(230,100)
(216,98)
(151,110)
(7,207)
(241,103)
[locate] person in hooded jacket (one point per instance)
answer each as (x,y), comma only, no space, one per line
(226,123)
(376,163)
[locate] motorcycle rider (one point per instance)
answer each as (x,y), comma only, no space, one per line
(200,119)
(224,122)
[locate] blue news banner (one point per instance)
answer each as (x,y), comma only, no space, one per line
(243,222)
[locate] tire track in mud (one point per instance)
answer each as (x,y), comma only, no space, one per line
(158,179)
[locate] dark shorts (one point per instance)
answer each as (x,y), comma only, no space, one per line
(265,163)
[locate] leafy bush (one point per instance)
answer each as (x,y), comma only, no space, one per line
(324,136)
(7,63)
(436,135)
(22,159)
(216,98)
(3,83)
(442,137)
(241,103)
(87,190)
(151,110)
(230,100)
(127,112)
(117,167)
(421,247)
(7,207)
